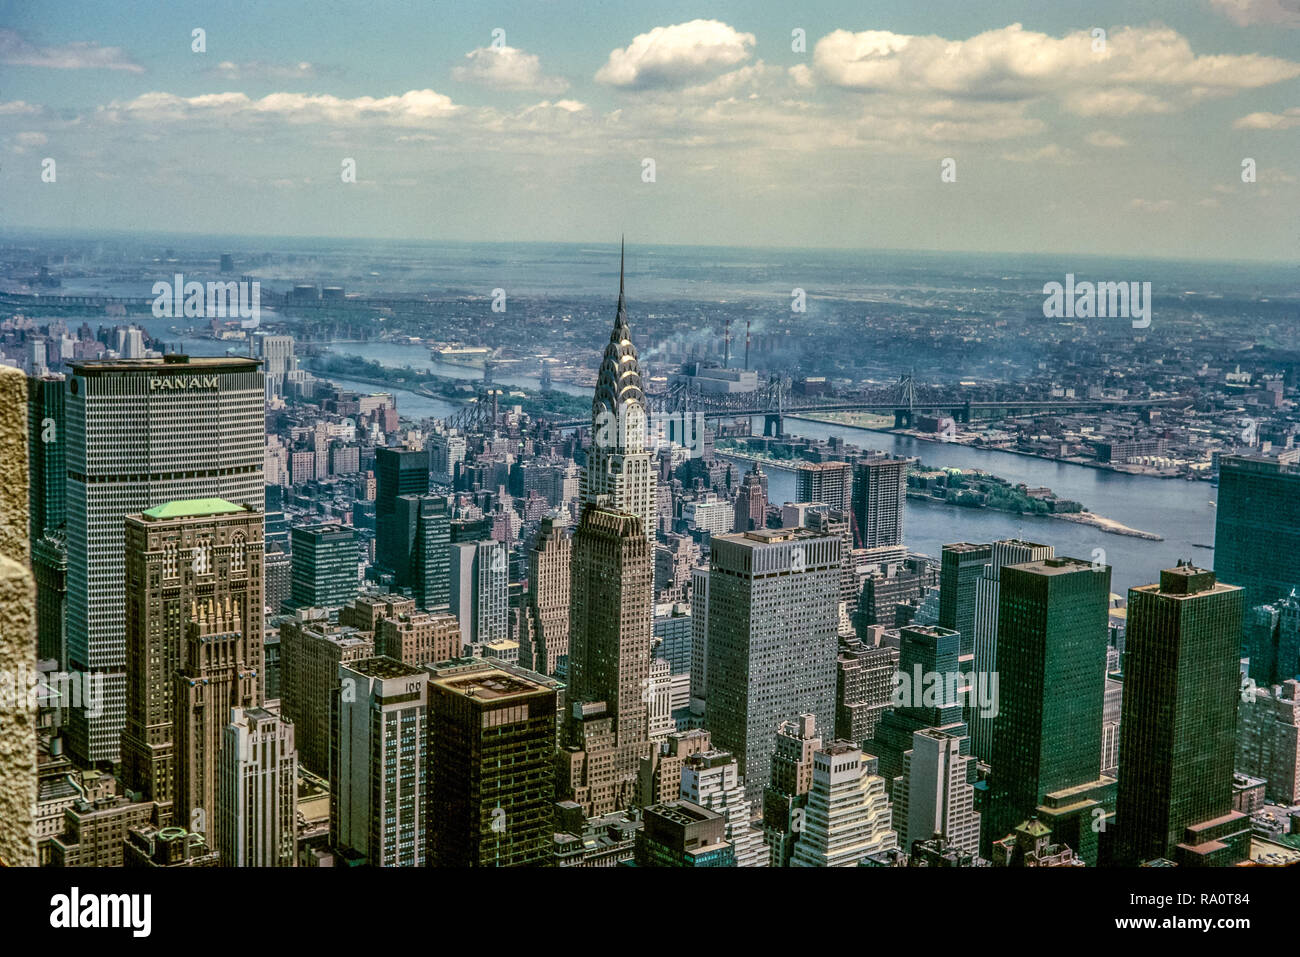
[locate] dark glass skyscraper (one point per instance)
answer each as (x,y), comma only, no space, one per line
(324,566)
(491,767)
(1257,528)
(960,569)
(430,562)
(1178,727)
(398,472)
(924,651)
(682,834)
(1051,659)
(45,450)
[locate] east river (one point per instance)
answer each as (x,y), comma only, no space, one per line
(1176,509)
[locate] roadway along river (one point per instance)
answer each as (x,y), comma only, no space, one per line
(1174,508)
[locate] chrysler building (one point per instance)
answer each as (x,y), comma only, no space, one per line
(618,473)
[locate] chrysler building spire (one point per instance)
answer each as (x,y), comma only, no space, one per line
(619,382)
(618,472)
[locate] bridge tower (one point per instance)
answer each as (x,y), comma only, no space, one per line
(906,408)
(774,402)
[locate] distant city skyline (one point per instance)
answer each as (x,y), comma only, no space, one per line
(502,122)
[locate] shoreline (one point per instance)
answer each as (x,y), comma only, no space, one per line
(1101,467)
(1091,519)
(1107,525)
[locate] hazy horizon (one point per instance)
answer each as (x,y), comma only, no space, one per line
(1171,131)
(17,234)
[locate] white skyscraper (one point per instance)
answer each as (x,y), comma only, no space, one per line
(848,816)
(659,699)
(278,361)
(257,798)
(130,342)
(932,795)
(480,584)
(711,779)
(446,451)
(619,473)
(141,433)
(378,764)
(987,590)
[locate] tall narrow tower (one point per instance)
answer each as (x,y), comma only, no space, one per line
(619,473)
(1182,683)
(609,660)
(177,553)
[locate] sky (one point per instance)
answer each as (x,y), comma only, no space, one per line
(1097,127)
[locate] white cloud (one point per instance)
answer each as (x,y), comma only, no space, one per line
(1114,102)
(15,51)
(1247,13)
(507,68)
(559,119)
(413,108)
(18,108)
(1049,153)
(802,75)
(746,80)
(261,70)
(675,56)
(1151,205)
(29,140)
(1012,63)
(1106,140)
(1269,121)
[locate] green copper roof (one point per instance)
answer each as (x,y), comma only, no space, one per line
(192,507)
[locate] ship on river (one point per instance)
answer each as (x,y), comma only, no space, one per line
(461,355)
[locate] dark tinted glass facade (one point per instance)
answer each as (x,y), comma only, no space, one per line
(1178,725)
(1257,527)
(1051,655)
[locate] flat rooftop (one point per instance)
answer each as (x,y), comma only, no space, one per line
(489,685)
(1186,582)
(929,631)
(329,528)
(840,747)
(382,667)
(1054,566)
(682,812)
(771,536)
(173,363)
(1258,463)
